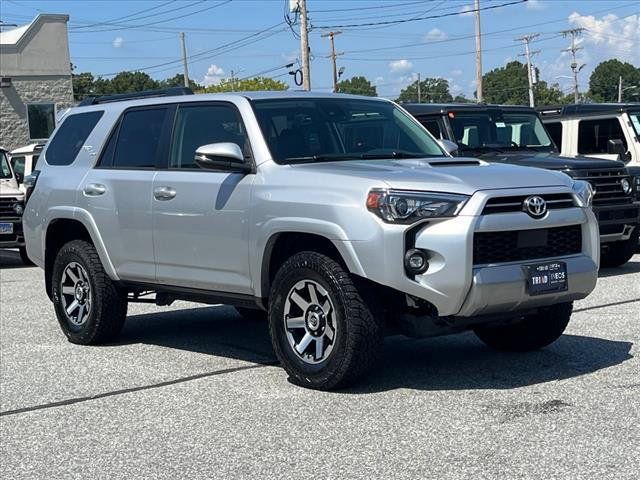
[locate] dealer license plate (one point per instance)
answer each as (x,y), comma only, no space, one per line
(546,277)
(6,228)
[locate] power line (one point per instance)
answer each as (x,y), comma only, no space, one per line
(395,5)
(574,33)
(527,39)
(442,15)
(109,22)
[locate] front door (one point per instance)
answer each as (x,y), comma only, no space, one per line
(200,216)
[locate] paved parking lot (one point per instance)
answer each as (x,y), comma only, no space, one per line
(195,392)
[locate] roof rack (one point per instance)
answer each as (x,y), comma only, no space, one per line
(120,97)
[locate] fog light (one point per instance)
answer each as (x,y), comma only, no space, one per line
(18,208)
(415,261)
(626,186)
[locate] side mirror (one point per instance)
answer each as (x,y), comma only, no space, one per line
(615,146)
(450,147)
(19,178)
(224,156)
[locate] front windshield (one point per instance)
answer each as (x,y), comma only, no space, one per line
(333,129)
(500,130)
(5,171)
(635,121)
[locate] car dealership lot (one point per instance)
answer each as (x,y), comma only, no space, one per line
(193,391)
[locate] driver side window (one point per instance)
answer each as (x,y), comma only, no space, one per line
(198,125)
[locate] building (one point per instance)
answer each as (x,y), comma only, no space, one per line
(35,79)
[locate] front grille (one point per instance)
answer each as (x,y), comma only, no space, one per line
(519,245)
(606,182)
(6,207)
(515,203)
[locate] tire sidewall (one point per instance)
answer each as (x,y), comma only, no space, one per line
(75,333)
(305,373)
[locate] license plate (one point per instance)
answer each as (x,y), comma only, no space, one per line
(546,277)
(6,228)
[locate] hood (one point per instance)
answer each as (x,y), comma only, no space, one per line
(452,175)
(549,161)
(9,188)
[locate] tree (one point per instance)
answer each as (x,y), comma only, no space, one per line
(603,83)
(246,85)
(509,85)
(432,90)
(178,81)
(126,82)
(461,99)
(357,86)
(83,84)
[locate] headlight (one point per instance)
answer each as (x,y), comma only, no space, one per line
(585,192)
(627,188)
(405,207)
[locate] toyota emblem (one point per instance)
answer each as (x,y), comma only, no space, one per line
(535,206)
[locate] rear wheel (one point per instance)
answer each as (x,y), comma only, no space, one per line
(616,254)
(90,308)
(531,333)
(325,330)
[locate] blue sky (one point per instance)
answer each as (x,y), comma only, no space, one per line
(389,55)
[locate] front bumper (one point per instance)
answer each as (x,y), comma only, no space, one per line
(617,222)
(15,239)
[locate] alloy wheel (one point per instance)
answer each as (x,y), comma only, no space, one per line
(76,295)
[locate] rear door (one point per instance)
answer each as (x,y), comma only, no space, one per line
(118,192)
(200,221)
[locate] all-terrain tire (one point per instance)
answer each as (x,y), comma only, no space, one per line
(358,335)
(616,254)
(532,333)
(108,303)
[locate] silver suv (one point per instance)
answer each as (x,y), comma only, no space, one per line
(340,216)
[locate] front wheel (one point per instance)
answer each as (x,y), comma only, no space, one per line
(325,330)
(616,254)
(90,307)
(531,333)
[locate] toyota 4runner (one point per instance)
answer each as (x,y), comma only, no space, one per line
(338,215)
(11,208)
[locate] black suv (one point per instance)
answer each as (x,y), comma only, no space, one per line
(515,134)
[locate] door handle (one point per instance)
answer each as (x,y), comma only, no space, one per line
(94,190)
(164,193)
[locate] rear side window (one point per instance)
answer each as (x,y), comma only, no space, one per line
(70,137)
(137,143)
(433,126)
(555,132)
(593,135)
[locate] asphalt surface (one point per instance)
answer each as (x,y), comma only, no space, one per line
(193,392)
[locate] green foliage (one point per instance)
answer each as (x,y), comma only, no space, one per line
(357,86)
(246,85)
(82,85)
(603,83)
(509,85)
(461,99)
(432,90)
(178,81)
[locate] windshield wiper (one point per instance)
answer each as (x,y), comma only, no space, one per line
(394,154)
(322,158)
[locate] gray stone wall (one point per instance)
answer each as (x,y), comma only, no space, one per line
(14,130)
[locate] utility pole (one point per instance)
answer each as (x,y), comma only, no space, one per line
(478,54)
(419,90)
(574,32)
(304,45)
(184,60)
(333,56)
(526,39)
(233,81)
(620,89)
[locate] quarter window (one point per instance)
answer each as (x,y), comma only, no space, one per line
(198,125)
(70,137)
(593,135)
(42,120)
(18,165)
(138,143)
(433,126)
(555,132)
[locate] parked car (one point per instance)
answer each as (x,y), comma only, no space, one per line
(598,130)
(339,215)
(515,134)
(25,159)
(11,208)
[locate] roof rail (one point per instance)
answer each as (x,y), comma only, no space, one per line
(120,97)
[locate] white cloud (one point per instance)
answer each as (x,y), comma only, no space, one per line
(378,80)
(467,10)
(117,42)
(456,72)
(214,75)
(535,5)
(400,66)
(435,34)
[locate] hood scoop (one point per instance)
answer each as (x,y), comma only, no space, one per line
(456,163)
